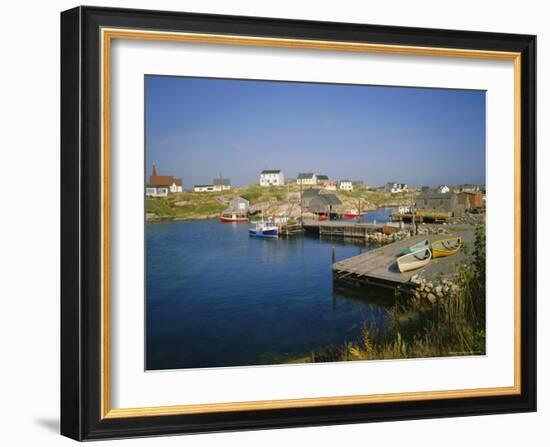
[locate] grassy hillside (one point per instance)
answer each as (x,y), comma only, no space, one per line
(209,205)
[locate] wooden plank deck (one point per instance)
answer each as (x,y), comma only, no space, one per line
(379,265)
(345,228)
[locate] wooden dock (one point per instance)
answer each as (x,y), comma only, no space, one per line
(379,267)
(288,229)
(345,228)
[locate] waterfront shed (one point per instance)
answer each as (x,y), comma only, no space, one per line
(325,204)
(437,202)
(309,194)
(470,200)
(239,204)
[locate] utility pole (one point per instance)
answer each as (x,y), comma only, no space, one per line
(301,204)
(413,211)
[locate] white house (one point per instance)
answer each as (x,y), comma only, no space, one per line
(272,177)
(156,191)
(346,185)
(443,189)
(307,178)
(223,183)
(394,187)
(206,188)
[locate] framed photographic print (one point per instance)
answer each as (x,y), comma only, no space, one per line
(277,223)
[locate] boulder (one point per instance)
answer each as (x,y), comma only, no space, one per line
(431,298)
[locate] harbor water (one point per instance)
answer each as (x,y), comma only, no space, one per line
(216,297)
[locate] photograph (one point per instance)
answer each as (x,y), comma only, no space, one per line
(296,222)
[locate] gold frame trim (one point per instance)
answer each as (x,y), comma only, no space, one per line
(107,35)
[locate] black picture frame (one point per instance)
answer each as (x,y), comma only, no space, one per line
(81,223)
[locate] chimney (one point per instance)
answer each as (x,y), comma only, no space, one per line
(154,173)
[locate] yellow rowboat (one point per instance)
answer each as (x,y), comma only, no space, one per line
(414,260)
(446,247)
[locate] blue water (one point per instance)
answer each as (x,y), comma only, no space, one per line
(217,297)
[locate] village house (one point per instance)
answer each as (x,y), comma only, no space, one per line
(437,202)
(329,185)
(224,184)
(162,185)
(217,185)
(325,204)
(443,189)
(205,188)
(272,177)
(157,191)
(325,183)
(307,178)
(394,187)
(346,185)
(321,179)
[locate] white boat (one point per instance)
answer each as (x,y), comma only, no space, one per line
(264,229)
(414,260)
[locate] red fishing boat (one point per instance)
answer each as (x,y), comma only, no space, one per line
(352,214)
(233,217)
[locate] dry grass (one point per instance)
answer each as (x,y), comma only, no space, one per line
(453,327)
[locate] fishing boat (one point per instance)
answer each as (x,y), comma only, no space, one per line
(414,260)
(264,229)
(351,214)
(323,217)
(233,217)
(446,247)
(418,246)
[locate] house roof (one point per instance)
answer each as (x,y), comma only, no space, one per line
(305,175)
(322,177)
(472,193)
(345,181)
(330,199)
(163,180)
(271,171)
(222,182)
(240,199)
(322,201)
(310,193)
(203,186)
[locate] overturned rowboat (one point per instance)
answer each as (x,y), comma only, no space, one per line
(446,247)
(414,260)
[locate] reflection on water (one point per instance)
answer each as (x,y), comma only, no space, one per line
(217,297)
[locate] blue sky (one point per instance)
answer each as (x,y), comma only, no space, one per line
(199,128)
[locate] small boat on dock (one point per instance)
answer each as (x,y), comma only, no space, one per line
(446,247)
(233,217)
(418,246)
(414,260)
(264,229)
